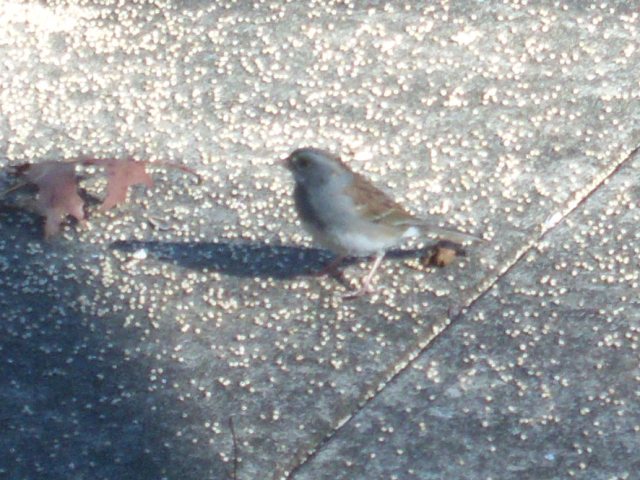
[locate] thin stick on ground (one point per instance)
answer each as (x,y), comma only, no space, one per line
(13,188)
(234,473)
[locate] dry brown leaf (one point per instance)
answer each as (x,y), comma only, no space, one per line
(121,174)
(58,186)
(57,193)
(441,256)
(443,253)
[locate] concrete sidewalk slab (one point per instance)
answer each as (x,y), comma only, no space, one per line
(540,379)
(133,342)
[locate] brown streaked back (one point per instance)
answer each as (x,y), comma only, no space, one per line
(375,204)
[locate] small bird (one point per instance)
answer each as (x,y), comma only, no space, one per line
(348,215)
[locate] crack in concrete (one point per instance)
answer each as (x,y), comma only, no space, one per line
(482,290)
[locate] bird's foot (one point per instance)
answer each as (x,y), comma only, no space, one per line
(365,289)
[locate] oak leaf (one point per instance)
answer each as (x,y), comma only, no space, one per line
(57,184)
(57,193)
(121,174)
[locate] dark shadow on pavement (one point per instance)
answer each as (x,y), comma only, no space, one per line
(76,400)
(248,259)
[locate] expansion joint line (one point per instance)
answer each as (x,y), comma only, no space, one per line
(579,198)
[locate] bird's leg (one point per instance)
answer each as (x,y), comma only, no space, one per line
(366,288)
(366,283)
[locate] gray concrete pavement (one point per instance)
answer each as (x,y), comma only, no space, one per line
(538,380)
(128,345)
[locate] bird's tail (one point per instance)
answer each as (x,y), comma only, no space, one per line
(440,233)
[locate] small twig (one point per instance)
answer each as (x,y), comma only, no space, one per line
(234,473)
(13,189)
(177,166)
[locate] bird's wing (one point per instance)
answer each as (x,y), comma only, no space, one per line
(378,207)
(375,204)
(440,233)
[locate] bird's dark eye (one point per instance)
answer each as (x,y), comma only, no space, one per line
(303,162)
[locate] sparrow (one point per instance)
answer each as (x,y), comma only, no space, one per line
(346,214)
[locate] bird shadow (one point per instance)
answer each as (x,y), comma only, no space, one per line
(248,259)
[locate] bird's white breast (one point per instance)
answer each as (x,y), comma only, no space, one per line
(363,243)
(345,230)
